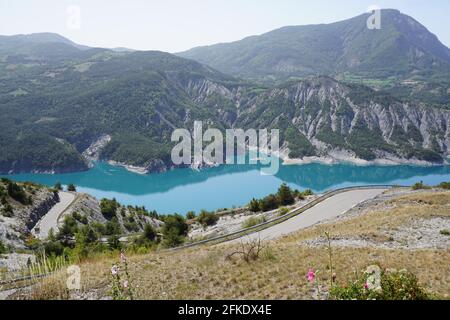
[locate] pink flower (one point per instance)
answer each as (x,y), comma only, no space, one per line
(366,286)
(122,257)
(333,276)
(114,270)
(125,284)
(311,275)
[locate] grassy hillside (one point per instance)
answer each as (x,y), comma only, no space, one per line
(385,232)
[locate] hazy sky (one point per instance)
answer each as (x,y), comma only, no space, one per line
(176,25)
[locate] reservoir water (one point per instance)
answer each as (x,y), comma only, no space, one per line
(226,186)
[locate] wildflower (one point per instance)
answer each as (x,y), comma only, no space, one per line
(114,270)
(366,286)
(122,257)
(125,284)
(333,277)
(311,275)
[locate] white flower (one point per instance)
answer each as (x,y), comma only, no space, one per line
(114,270)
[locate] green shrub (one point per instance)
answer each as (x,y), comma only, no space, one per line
(18,193)
(131,226)
(445,232)
(71,187)
(113,227)
(58,186)
(109,208)
(253,221)
(68,229)
(307,192)
(149,232)
(174,230)
(395,285)
(7,210)
(190,215)
(206,218)
(283,211)
(444,185)
(2,191)
(80,218)
(100,228)
(53,248)
(2,247)
(254,205)
(419,186)
(269,203)
(86,236)
(172,239)
(114,242)
(285,195)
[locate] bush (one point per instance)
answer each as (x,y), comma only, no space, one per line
(444,185)
(149,232)
(269,203)
(114,242)
(113,227)
(99,228)
(174,230)
(254,205)
(172,239)
(419,186)
(190,215)
(285,195)
(445,232)
(80,218)
(18,193)
(395,285)
(58,186)
(86,236)
(71,187)
(53,248)
(307,192)
(7,210)
(68,229)
(131,226)
(206,218)
(283,211)
(109,208)
(2,248)
(253,221)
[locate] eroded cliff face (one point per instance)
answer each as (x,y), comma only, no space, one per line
(317,117)
(336,117)
(16,223)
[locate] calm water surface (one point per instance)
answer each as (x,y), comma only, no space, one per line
(229,185)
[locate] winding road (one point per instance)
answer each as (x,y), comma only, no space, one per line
(327,209)
(50,220)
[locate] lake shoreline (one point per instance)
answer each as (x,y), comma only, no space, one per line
(301,162)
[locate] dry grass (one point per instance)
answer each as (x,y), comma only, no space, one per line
(205,273)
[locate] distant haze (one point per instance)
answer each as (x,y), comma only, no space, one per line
(177,25)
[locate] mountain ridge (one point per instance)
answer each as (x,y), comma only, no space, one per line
(402,57)
(56,104)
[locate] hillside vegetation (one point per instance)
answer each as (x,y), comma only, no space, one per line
(402,57)
(387,227)
(389,101)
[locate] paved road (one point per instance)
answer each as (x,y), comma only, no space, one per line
(50,220)
(329,208)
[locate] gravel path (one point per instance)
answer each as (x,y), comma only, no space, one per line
(50,220)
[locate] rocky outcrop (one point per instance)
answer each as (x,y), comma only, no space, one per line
(15,226)
(41,209)
(92,153)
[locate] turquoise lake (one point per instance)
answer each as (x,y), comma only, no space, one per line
(182,190)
